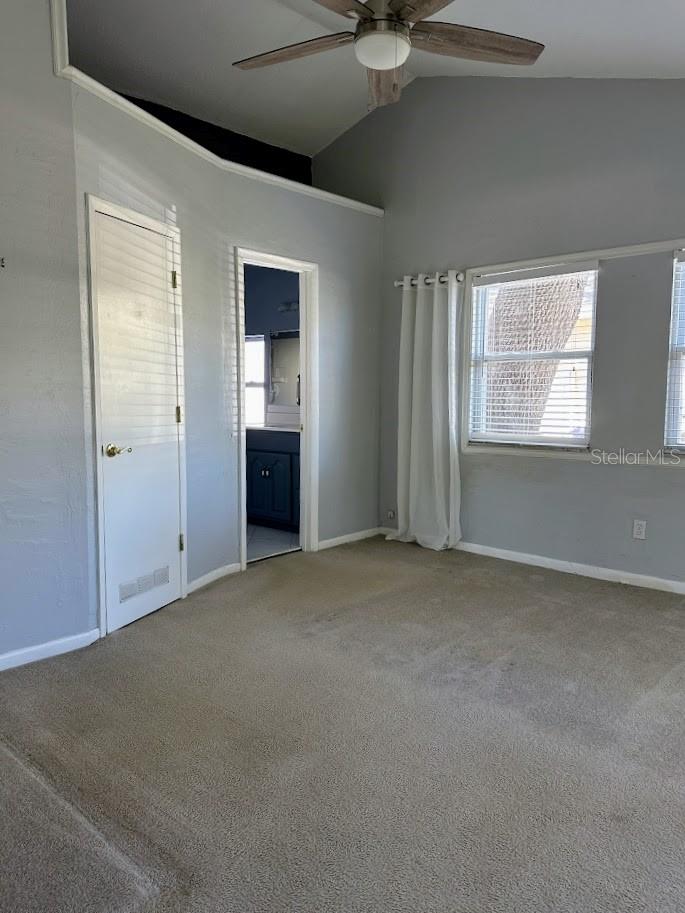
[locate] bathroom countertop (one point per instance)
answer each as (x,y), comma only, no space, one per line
(290,428)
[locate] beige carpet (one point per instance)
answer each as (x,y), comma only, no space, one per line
(373,728)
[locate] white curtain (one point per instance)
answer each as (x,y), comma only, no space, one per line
(428,487)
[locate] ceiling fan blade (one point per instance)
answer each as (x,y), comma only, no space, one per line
(385,87)
(474,44)
(353,9)
(415,10)
(295,51)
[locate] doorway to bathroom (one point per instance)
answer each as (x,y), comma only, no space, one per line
(278,415)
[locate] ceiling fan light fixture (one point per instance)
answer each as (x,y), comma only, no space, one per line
(385,34)
(382,44)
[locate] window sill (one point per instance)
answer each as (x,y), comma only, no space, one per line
(673,457)
(556,451)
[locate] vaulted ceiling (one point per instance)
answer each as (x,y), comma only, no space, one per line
(179,54)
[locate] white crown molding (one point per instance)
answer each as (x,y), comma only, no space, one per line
(63,69)
(51,648)
(60,36)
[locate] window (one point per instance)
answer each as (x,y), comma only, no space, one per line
(532,339)
(255,380)
(675,402)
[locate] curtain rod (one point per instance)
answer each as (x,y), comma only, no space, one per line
(429,280)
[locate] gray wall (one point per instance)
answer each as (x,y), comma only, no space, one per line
(479,171)
(43,541)
(60,143)
(125,162)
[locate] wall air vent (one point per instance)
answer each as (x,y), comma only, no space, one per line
(160,577)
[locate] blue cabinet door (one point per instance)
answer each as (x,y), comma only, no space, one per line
(269,487)
(258,497)
(280,495)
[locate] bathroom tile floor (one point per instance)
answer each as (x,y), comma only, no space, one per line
(263,541)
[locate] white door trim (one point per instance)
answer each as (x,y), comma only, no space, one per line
(309,369)
(95,205)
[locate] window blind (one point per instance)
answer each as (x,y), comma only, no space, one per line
(675,402)
(532,341)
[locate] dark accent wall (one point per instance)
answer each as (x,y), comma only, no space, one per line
(265,291)
(234,147)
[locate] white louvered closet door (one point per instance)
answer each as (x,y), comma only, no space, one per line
(138,363)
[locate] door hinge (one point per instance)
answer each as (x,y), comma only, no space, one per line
(174,279)
(181,542)
(178,415)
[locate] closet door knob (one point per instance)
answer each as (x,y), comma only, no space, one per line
(111,450)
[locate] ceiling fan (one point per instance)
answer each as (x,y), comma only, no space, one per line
(386,32)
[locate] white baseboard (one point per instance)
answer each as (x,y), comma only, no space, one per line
(572,567)
(351,537)
(51,648)
(212,576)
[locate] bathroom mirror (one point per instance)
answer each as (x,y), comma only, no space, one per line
(284,377)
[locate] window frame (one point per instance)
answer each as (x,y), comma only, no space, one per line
(481,276)
(255,337)
(678,446)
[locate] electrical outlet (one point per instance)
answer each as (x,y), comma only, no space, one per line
(639,529)
(391,515)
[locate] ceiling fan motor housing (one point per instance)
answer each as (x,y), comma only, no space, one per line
(382,44)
